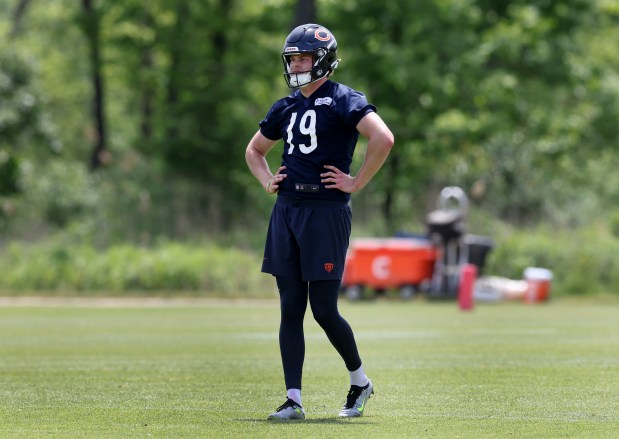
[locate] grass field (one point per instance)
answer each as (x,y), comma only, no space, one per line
(213,370)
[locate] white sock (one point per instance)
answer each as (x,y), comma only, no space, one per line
(358,377)
(295,395)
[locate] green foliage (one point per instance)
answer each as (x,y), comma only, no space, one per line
(22,122)
(166,268)
(583,262)
(497,97)
(133,203)
(509,99)
(614,223)
(190,66)
(58,193)
(516,102)
(9,170)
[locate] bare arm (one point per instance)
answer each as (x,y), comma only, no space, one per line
(380,141)
(255,156)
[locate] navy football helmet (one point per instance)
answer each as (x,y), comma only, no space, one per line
(314,39)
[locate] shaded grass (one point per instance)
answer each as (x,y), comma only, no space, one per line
(503,370)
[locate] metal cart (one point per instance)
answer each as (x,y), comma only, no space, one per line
(446,227)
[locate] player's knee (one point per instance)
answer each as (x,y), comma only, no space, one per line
(291,312)
(325,317)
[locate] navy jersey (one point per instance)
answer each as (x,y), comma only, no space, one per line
(317,131)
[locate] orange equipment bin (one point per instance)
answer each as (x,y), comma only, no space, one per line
(388,263)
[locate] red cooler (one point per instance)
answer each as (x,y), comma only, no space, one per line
(389,263)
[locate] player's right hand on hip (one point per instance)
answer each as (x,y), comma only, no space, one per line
(272,185)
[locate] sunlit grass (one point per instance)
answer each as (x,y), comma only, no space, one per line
(213,370)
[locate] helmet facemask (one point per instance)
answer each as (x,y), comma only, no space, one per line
(323,66)
(297,79)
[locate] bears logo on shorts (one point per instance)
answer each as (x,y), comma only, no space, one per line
(329,266)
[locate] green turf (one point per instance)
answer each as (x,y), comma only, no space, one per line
(503,370)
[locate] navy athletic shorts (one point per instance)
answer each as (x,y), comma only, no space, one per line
(307,238)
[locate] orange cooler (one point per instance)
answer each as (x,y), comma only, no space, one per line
(389,263)
(538,284)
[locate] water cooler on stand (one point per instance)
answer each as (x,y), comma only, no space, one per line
(446,228)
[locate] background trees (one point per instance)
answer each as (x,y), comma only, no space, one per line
(514,101)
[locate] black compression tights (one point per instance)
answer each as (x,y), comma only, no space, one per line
(323,296)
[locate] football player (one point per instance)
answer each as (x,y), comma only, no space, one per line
(310,223)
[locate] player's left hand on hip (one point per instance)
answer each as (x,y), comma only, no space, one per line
(336,179)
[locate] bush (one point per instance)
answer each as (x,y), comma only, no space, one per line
(165,268)
(583,261)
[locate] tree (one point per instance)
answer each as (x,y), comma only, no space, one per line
(21,119)
(514,101)
(304,12)
(479,94)
(18,15)
(405,56)
(90,24)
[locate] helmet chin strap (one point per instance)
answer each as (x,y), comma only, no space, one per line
(300,79)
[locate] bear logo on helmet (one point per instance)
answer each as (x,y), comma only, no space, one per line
(322,34)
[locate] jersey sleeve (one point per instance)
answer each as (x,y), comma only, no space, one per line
(270,126)
(357,107)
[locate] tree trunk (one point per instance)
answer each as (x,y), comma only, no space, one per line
(220,40)
(304,12)
(146,98)
(18,15)
(90,23)
(393,165)
(174,74)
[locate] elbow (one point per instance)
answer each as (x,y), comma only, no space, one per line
(382,140)
(388,140)
(247,155)
(250,152)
